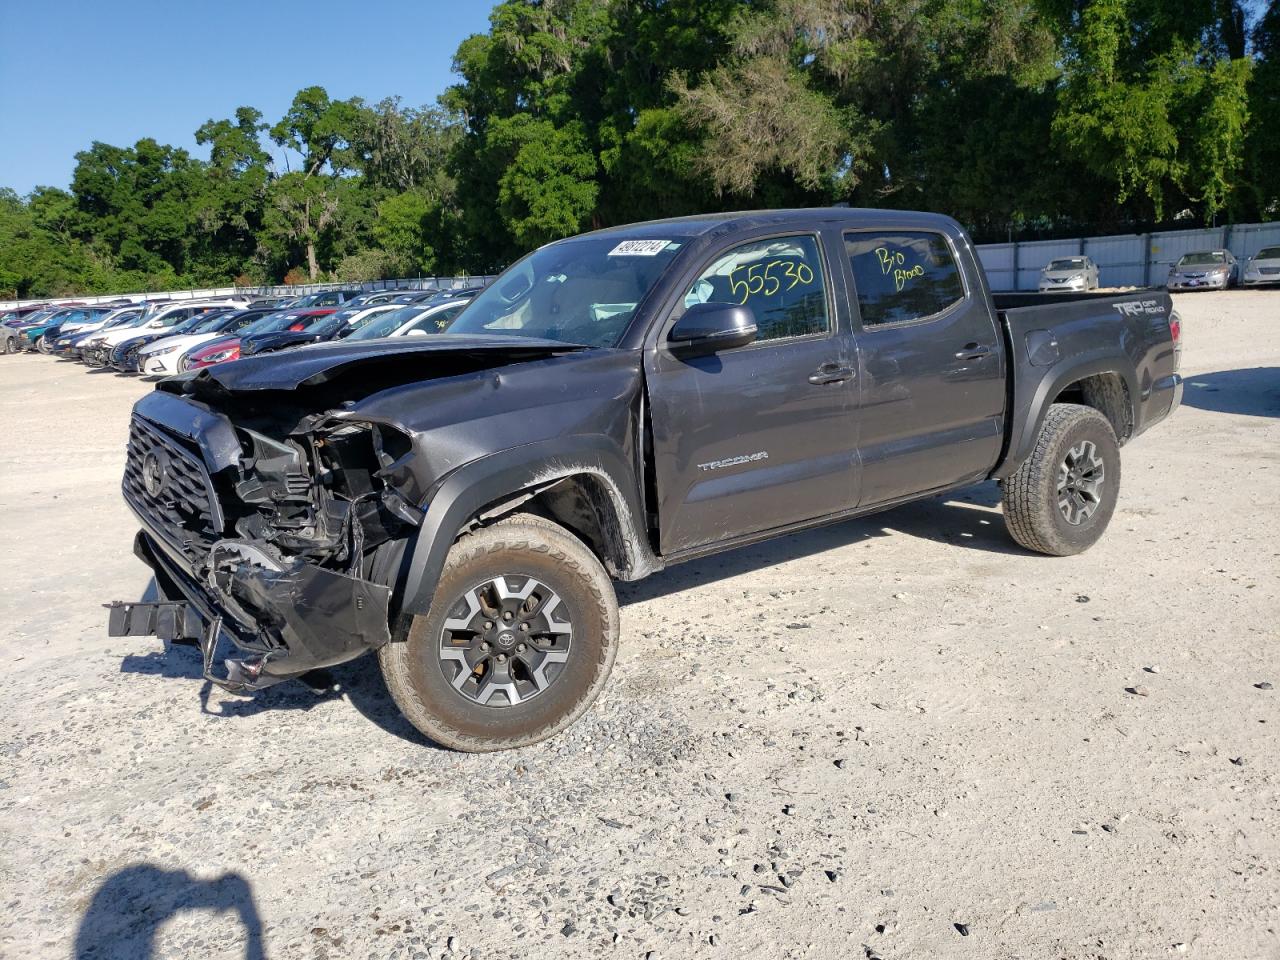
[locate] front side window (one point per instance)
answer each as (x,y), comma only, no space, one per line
(902,276)
(780,280)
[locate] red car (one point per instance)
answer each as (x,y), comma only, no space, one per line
(228,348)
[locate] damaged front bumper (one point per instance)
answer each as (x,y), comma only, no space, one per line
(283,617)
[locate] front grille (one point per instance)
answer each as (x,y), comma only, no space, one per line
(184,509)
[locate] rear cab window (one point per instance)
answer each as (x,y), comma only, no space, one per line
(781,280)
(903,276)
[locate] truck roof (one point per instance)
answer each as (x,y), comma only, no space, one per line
(704,223)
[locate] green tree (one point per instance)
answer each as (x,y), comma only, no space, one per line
(1154,100)
(303,205)
(1258,196)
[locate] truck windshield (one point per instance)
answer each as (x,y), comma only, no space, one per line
(1199,259)
(576,291)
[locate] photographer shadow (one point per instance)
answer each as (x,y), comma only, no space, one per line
(129,908)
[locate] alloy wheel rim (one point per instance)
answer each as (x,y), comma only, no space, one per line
(505,641)
(1080,478)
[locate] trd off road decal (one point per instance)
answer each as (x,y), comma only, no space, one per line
(1134,308)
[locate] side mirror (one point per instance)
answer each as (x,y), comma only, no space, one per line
(710,327)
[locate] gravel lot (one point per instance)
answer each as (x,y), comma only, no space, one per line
(899,737)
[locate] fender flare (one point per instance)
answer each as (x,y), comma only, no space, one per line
(465,492)
(1031,408)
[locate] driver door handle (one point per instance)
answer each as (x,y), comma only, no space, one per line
(831,373)
(973,351)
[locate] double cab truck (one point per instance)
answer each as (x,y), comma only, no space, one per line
(612,404)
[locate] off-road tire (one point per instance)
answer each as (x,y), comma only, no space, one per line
(524,545)
(1030,496)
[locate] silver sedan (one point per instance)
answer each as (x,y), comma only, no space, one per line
(1069,274)
(1204,270)
(1262,267)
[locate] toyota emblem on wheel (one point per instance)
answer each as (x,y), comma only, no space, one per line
(153,473)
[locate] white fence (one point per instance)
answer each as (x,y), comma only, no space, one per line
(278,290)
(1130,260)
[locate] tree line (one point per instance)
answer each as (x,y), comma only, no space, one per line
(1055,116)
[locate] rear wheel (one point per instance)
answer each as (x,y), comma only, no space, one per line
(519,641)
(1061,499)
(11,345)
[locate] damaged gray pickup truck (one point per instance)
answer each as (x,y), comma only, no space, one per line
(612,404)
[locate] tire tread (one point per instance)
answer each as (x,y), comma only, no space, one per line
(1028,509)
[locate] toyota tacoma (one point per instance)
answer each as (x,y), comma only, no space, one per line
(612,404)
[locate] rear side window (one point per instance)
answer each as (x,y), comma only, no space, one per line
(902,276)
(779,279)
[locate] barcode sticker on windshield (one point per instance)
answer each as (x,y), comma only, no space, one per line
(639,248)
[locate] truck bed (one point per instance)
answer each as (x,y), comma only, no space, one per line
(1057,340)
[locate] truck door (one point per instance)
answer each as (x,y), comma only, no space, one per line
(931,374)
(759,436)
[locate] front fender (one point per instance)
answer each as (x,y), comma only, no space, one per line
(463,495)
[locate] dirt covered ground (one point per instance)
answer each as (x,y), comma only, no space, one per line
(900,737)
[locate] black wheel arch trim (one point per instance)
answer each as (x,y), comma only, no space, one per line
(466,493)
(1033,396)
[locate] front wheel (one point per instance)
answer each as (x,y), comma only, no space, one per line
(519,640)
(1061,498)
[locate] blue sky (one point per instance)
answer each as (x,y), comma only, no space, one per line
(75,71)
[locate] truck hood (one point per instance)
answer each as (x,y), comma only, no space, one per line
(396,360)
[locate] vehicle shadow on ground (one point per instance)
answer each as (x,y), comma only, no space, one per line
(132,904)
(961,519)
(1253,392)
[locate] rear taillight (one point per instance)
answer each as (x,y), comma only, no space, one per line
(1175,331)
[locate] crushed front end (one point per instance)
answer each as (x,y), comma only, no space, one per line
(276,531)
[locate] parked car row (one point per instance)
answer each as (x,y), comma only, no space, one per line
(163,337)
(1199,270)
